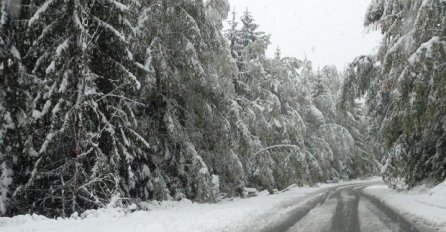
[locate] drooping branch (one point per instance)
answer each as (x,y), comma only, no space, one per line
(275,146)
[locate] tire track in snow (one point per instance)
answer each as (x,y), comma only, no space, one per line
(346,215)
(344,204)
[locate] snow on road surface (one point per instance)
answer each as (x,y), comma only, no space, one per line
(421,205)
(368,219)
(343,208)
(318,219)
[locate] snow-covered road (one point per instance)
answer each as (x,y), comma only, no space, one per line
(350,206)
(344,209)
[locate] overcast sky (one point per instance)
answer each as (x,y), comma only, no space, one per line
(326,31)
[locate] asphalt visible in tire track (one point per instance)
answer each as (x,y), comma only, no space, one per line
(346,215)
(297,214)
(345,218)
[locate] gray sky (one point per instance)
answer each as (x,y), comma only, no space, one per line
(326,31)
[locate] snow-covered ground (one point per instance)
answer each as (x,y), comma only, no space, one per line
(421,205)
(228,215)
(251,214)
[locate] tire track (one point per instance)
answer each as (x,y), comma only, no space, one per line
(297,214)
(345,216)
(390,215)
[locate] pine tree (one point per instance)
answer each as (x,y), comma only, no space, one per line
(264,115)
(323,97)
(15,88)
(249,32)
(405,93)
(233,35)
(80,120)
(182,45)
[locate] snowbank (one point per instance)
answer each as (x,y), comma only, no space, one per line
(229,215)
(249,214)
(421,205)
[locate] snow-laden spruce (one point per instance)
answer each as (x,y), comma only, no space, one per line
(404,88)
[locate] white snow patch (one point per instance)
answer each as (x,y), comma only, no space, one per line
(62,47)
(64,83)
(182,216)
(39,12)
(318,219)
(250,214)
(15,53)
(39,114)
(427,47)
(426,206)
(368,220)
(51,67)
(119,5)
(317,114)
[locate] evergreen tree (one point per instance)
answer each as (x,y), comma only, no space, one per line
(406,91)
(16,86)
(233,35)
(181,44)
(264,115)
(80,120)
(323,98)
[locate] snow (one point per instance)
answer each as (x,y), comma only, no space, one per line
(45,144)
(215,180)
(32,152)
(145,171)
(77,21)
(427,47)
(140,138)
(249,214)
(319,218)
(15,52)
(62,47)
(5,180)
(63,85)
(317,114)
(418,205)
(374,11)
(3,16)
(119,5)
(8,123)
(39,114)
(111,29)
(50,68)
(39,12)
(227,215)
(133,77)
(368,219)
(203,171)
(56,108)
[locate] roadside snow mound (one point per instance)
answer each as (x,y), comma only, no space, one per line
(249,214)
(422,206)
(166,216)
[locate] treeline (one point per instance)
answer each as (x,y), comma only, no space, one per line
(405,89)
(149,100)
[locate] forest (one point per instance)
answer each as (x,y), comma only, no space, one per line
(157,100)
